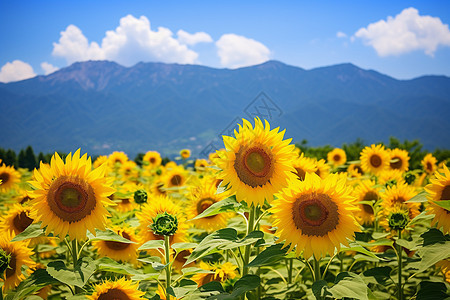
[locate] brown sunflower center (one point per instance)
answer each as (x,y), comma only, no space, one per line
(71,198)
(22,221)
(370,195)
(368,209)
(375,160)
(300,173)
(114,294)
(203,204)
(11,270)
(176,180)
(445,195)
(397,164)
(399,200)
(183,256)
(119,245)
(315,214)
(125,201)
(254,165)
(429,167)
(152,160)
(4,177)
(336,157)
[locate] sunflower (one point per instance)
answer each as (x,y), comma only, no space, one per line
(117,250)
(121,289)
(200,165)
(395,197)
(152,159)
(201,197)
(100,161)
(355,170)
(8,178)
(256,163)
(399,160)
(337,157)
(303,165)
(185,153)
(20,255)
(158,205)
(429,163)
(221,273)
(158,188)
(374,159)
(322,168)
(175,177)
(390,177)
(17,219)
(366,191)
(439,190)
(23,197)
(117,157)
(70,198)
(316,215)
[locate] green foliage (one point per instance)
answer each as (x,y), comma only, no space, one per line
(78,277)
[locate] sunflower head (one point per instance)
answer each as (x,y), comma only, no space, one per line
(121,289)
(399,160)
(337,157)
(152,159)
(303,165)
(140,196)
(374,159)
(429,163)
(164,224)
(398,219)
(9,177)
(439,190)
(185,153)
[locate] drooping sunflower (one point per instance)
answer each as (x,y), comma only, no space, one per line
(70,198)
(303,165)
(374,159)
(121,289)
(337,157)
(323,169)
(355,170)
(158,188)
(117,250)
(201,197)
(315,215)
(366,191)
(399,160)
(185,153)
(117,157)
(257,162)
(9,177)
(158,205)
(429,163)
(152,159)
(222,272)
(20,255)
(439,190)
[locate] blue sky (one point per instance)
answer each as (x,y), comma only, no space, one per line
(403,39)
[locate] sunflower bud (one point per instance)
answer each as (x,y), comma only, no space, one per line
(164,224)
(158,172)
(5,258)
(409,178)
(398,220)
(140,196)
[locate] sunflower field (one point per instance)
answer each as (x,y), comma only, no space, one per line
(259,219)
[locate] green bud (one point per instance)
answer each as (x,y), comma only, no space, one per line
(164,224)
(5,258)
(391,183)
(140,196)
(158,172)
(409,178)
(398,220)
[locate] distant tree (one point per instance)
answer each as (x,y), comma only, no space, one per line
(41,157)
(138,159)
(2,154)
(354,149)
(165,160)
(10,158)
(21,159)
(30,158)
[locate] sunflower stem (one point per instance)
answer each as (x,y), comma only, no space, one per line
(400,265)
(317,275)
(248,248)
(168,268)
(75,261)
(291,262)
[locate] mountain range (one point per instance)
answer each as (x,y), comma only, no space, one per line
(102,107)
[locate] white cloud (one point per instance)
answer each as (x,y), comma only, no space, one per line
(132,41)
(341,34)
(15,71)
(48,68)
(238,51)
(406,32)
(192,39)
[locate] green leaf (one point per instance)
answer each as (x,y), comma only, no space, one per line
(430,255)
(109,265)
(419,198)
(153,244)
(156,265)
(108,235)
(432,290)
(183,246)
(83,271)
(433,236)
(379,235)
(269,256)
(380,242)
(194,270)
(36,281)
(185,287)
(349,285)
(445,204)
(226,205)
(381,274)
(245,284)
(320,289)
(251,238)
(32,231)
(421,217)
(410,245)
(355,247)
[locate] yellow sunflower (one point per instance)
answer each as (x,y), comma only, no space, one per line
(390,177)
(221,273)
(175,177)
(399,160)
(439,190)
(152,159)
(70,198)
(117,157)
(23,197)
(185,153)
(322,168)
(117,250)
(158,205)
(9,177)
(129,169)
(366,191)
(303,165)
(355,170)
(20,255)
(200,165)
(16,219)
(337,157)
(201,197)
(374,159)
(315,215)
(429,163)
(121,289)
(257,162)
(100,161)
(158,188)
